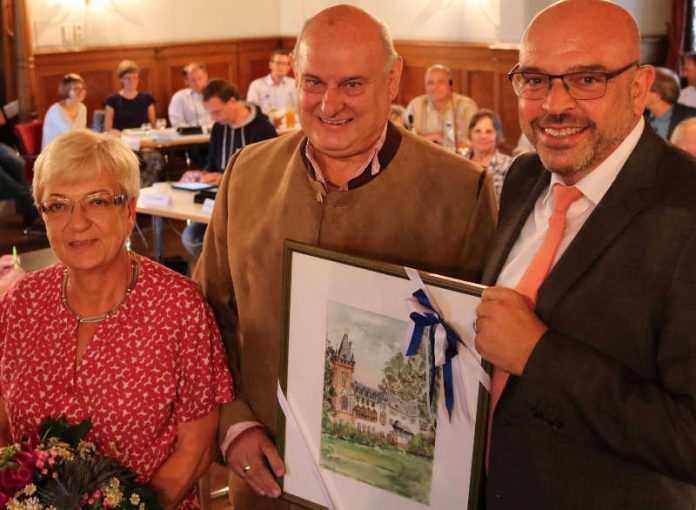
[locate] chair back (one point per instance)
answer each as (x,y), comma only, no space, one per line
(30,134)
(98,120)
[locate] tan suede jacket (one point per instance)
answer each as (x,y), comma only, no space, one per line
(427,209)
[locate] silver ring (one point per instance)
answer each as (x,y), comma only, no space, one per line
(475,325)
(246,468)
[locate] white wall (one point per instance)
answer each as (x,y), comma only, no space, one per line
(113,22)
(464,20)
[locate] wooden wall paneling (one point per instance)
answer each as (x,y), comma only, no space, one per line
(219,57)
(253,60)
(7,37)
(412,83)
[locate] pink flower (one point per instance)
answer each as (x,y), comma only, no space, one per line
(4,498)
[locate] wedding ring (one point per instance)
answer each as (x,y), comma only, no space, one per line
(475,325)
(246,468)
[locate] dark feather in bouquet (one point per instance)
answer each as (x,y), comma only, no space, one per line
(68,474)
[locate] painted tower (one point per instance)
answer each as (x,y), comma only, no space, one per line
(343,365)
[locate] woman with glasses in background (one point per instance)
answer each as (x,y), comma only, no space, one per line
(110,335)
(486,133)
(68,113)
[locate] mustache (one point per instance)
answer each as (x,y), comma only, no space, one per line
(562,118)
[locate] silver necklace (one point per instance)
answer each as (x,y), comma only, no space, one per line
(90,319)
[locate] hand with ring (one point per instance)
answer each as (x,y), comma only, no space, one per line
(253,457)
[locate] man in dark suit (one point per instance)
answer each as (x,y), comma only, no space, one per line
(662,109)
(599,410)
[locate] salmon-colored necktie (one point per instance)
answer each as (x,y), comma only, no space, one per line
(537,270)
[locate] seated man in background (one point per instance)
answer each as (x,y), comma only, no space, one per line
(664,113)
(276,90)
(441,115)
(688,93)
(186,106)
(236,124)
(12,183)
(684,136)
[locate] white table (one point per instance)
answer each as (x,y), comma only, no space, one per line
(182,207)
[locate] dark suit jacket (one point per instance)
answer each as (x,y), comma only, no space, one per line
(681,112)
(604,415)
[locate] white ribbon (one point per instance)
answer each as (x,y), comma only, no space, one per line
(466,398)
(311,454)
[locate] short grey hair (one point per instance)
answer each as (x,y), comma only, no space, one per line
(82,154)
(666,85)
(439,67)
(384,36)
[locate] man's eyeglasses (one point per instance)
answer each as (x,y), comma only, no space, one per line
(93,205)
(579,85)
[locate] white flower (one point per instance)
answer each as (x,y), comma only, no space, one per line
(112,493)
(29,489)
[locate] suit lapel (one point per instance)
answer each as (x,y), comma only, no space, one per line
(526,180)
(626,197)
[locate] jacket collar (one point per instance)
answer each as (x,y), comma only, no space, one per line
(628,195)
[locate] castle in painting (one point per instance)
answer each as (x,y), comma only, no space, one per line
(370,410)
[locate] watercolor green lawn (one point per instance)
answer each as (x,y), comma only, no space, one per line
(390,469)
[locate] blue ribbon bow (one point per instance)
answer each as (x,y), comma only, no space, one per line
(432,319)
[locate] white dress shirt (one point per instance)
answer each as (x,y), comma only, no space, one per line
(269,95)
(186,109)
(593,186)
(688,96)
(57,121)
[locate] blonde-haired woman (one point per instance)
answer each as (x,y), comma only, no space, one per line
(68,113)
(110,335)
(128,108)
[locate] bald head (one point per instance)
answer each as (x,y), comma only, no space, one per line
(684,136)
(347,21)
(583,22)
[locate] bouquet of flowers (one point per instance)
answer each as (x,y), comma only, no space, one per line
(60,471)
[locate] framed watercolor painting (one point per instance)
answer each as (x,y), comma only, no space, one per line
(361,425)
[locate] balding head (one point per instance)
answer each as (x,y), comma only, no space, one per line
(347,75)
(346,20)
(573,136)
(684,136)
(585,24)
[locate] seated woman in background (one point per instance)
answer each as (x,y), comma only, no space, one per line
(486,133)
(68,113)
(107,334)
(128,108)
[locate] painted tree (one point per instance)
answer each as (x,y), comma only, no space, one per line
(329,393)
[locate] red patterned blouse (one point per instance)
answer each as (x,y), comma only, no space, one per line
(157,361)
